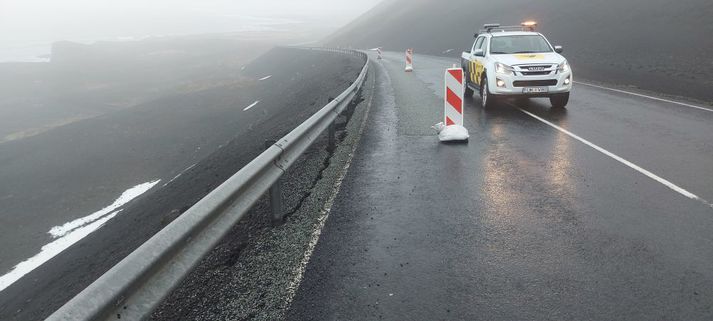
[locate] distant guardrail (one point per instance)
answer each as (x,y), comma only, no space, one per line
(135,286)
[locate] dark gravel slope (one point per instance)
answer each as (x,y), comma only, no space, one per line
(147,142)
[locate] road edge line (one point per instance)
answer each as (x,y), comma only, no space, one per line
(645,96)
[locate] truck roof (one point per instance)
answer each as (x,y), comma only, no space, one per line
(514,33)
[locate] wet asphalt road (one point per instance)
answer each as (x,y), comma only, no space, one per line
(72,171)
(524,222)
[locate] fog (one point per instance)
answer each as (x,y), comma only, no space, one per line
(607,41)
(24,22)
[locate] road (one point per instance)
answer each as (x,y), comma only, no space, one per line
(126,174)
(598,212)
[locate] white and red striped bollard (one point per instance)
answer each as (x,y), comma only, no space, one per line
(453,103)
(409,60)
(378,53)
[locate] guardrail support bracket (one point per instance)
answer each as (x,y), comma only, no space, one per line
(332,131)
(332,136)
(278,216)
(276,203)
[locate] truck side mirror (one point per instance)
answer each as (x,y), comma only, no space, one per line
(479,53)
(559,49)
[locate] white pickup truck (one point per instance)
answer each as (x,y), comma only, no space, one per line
(516,61)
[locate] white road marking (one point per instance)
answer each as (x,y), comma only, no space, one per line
(265,78)
(72,232)
(181,173)
(251,105)
(645,96)
(649,174)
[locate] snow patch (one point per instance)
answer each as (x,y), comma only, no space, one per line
(50,250)
(127,196)
(71,232)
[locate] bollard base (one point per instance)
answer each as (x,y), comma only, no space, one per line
(453,133)
(408,69)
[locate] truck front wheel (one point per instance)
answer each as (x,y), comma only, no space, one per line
(487,100)
(559,100)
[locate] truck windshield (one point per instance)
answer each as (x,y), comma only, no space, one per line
(518,44)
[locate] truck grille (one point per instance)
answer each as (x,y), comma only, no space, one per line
(534,83)
(535,70)
(536,73)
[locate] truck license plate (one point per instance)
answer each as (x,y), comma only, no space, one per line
(532,90)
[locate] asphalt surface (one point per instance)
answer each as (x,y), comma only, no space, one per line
(205,135)
(524,222)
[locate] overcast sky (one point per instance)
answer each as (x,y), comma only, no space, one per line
(28,21)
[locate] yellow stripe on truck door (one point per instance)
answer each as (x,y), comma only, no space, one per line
(478,71)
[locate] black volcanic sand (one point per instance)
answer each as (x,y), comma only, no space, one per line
(74,170)
(657,45)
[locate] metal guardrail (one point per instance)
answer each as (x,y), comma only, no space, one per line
(134,287)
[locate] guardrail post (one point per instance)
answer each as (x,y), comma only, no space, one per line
(275,195)
(332,132)
(332,135)
(276,203)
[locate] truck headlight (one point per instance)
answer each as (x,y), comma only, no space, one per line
(504,69)
(563,67)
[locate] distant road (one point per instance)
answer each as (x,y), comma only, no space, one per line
(134,170)
(601,211)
